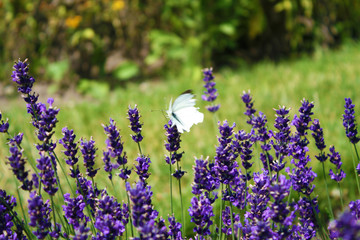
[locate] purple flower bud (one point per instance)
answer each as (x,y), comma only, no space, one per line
(4,126)
(174,228)
(109,218)
(143,213)
(73,210)
(349,121)
(88,151)
(247,99)
(335,159)
(201,212)
(135,124)
(47,173)
(225,164)
(203,180)
(21,77)
(346,227)
(211,92)
(17,163)
(142,168)
(173,138)
(7,214)
(39,213)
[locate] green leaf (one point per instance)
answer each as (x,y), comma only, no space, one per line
(126,71)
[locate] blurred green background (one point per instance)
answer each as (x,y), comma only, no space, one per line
(69,42)
(98,57)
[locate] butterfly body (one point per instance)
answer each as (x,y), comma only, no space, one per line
(183,112)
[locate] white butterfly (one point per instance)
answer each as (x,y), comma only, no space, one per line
(183,112)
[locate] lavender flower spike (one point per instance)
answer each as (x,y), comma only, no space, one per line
(247,99)
(335,159)
(21,77)
(201,212)
(135,124)
(349,121)
(39,213)
(68,141)
(4,126)
(17,162)
(210,94)
(47,173)
(88,151)
(319,139)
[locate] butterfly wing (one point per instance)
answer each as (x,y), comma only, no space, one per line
(183,112)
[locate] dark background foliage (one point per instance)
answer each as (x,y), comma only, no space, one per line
(128,39)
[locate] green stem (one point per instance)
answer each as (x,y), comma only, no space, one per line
(327,192)
(231,216)
(354,164)
(220,215)
(182,207)
(139,148)
(62,169)
(171,197)
(21,204)
(341,195)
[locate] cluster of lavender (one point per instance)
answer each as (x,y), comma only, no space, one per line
(230,201)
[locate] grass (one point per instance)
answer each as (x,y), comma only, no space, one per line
(325,78)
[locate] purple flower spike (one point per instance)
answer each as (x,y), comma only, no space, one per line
(349,121)
(44,119)
(201,212)
(302,122)
(355,208)
(142,168)
(173,138)
(174,229)
(17,163)
(346,227)
(225,164)
(143,213)
(247,99)
(203,180)
(47,173)
(114,150)
(260,197)
(4,126)
(81,233)
(21,77)
(211,92)
(68,141)
(39,213)
(335,159)
(308,225)
(7,214)
(74,210)
(109,219)
(135,124)
(88,151)
(319,140)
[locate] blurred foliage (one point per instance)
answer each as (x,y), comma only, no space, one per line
(119,40)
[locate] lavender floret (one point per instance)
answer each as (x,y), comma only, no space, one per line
(88,151)
(21,77)
(135,125)
(349,121)
(210,94)
(250,111)
(47,173)
(142,168)
(39,212)
(201,212)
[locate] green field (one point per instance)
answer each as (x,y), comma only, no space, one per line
(325,78)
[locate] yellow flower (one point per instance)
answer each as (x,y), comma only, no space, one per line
(73,22)
(118,5)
